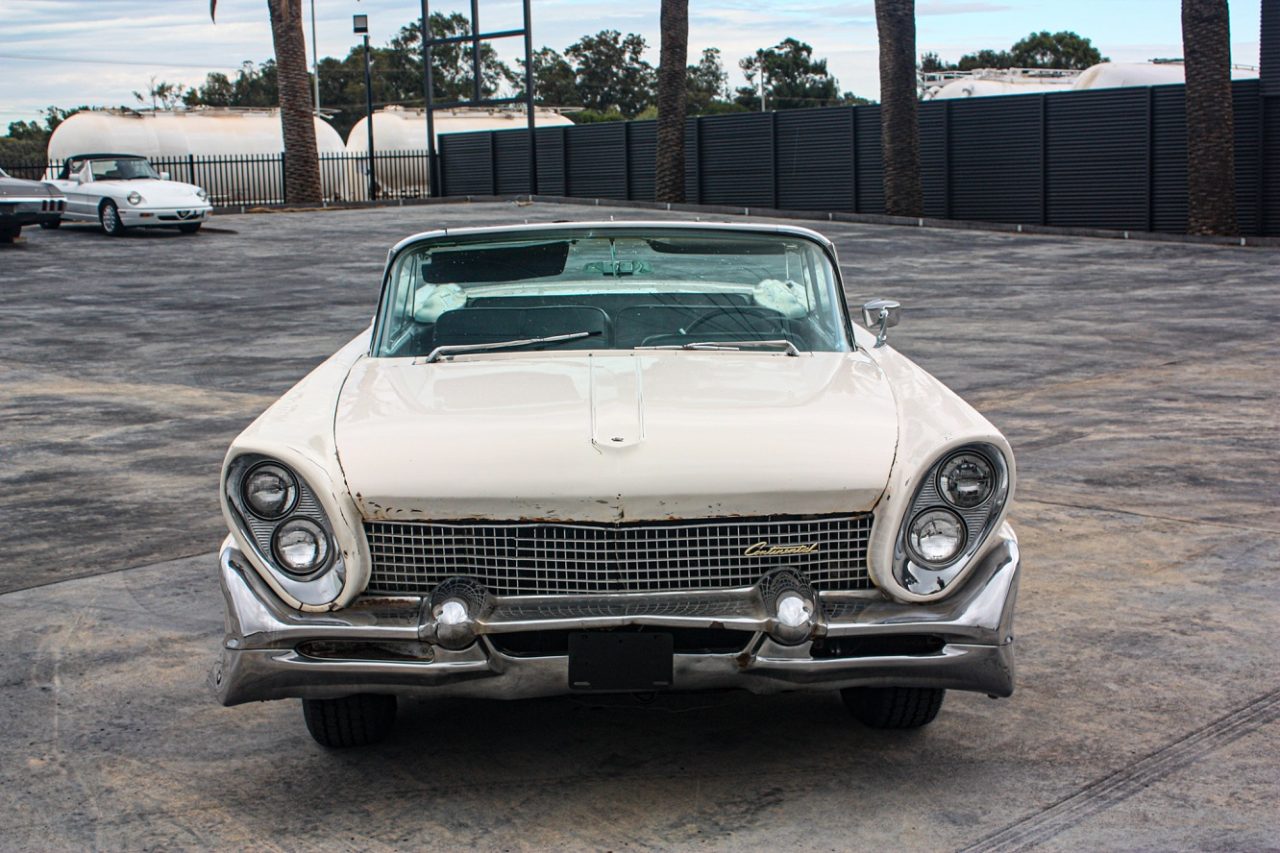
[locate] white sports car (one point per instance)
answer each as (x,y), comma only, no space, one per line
(122,191)
(616,457)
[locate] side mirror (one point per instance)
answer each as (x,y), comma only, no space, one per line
(879,315)
(164,176)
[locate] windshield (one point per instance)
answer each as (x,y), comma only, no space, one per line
(615,289)
(121,169)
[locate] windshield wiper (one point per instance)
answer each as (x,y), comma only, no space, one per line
(457,349)
(731,345)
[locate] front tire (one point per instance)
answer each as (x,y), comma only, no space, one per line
(109,216)
(893,707)
(358,720)
(9,233)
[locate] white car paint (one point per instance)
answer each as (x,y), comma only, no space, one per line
(531,435)
(164,203)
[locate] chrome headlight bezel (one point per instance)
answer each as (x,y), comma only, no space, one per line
(319,585)
(134,197)
(923,578)
(202,194)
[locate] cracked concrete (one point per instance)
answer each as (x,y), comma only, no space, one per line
(1136,382)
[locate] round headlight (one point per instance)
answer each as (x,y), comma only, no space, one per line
(966,480)
(134,197)
(270,491)
(201,194)
(936,536)
(300,546)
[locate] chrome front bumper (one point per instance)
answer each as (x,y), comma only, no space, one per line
(270,651)
(146,217)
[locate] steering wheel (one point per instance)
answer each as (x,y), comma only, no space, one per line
(740,310)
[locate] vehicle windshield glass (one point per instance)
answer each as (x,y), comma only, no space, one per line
(3,173)
(121,169)
(625,289)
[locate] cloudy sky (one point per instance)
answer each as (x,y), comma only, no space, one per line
(70,52)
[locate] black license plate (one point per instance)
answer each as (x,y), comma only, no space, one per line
(617,662)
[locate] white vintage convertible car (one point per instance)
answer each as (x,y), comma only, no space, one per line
(616,457)
(122,191)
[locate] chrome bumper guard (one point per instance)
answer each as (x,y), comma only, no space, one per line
(270,650)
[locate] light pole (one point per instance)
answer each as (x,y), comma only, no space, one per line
(360,26)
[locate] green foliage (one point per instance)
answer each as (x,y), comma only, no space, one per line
(590,116)
(611,73)
(554,81)
(793,79)
(1038,50)
(252,87)
(28,141)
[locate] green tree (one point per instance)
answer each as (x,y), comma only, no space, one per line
(707,82)
(986,58)
(252,87)
(611,72)
(792,78)
(1059,50)
(554,83)
(163,96)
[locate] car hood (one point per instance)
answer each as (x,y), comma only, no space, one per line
(615,436)
(154,192)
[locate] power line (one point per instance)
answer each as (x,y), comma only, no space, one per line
(63,60)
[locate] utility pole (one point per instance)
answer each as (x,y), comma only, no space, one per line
(360,25)
(315,59)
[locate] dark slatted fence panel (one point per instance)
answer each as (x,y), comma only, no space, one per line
(551,147)
(467,163)
(737,159)
(996,159)
(933,157)
(1169,159)
(1098,154)
(511,148)
(1247,106)
(596,154)
(815,159)
(870,173)
(642,148)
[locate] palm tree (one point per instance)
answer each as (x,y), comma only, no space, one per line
(899,128)
(301,161)
(672,101)
(1211,170)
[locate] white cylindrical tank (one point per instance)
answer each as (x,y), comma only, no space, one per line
(396,129)
(1113,75)
(979,87)
(170,137)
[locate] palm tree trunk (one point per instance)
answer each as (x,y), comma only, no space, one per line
(672,101)
(301,161)
(1211,170)
(899,128)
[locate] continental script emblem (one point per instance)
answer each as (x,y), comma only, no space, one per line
(764,549)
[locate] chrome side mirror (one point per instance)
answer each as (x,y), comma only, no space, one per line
(879,315)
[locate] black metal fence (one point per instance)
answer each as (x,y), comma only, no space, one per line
(1101,159)
(258,179)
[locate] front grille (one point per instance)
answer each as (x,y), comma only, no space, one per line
(538,558)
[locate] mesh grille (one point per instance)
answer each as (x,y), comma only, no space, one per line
(517,558)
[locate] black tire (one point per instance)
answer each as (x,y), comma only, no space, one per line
(51,224)
(893,707)
(8,235)
(189,227)
(350,721)
(109,217)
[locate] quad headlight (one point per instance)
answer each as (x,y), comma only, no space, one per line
(201,194)
(300,545)
(270,490)
(954,509)
(134,197)
(284,524)
(936,536)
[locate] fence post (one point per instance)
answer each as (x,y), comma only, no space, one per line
(853,154)
(191,169)
(564,159)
